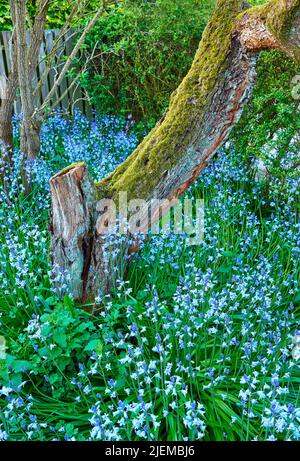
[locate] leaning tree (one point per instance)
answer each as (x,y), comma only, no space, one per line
(202,112)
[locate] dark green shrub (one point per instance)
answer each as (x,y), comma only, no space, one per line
(270,123)
(143,50)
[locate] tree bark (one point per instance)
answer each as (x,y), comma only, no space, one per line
(202,112)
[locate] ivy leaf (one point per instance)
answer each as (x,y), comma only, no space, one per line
(20,365)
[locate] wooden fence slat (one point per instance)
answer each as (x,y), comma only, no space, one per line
(65,83)
(58,66)
(40,71)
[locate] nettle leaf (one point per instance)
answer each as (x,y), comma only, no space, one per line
(51,301)
(69,429)
(75,343)
(95,345)
(68,302)
(50,353)
(84,327)
(121,379)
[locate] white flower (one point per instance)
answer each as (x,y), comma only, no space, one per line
(5,390)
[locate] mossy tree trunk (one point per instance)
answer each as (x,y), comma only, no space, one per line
(202,112)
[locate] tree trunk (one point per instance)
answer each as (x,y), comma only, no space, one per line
(85,262)
(202,112)
(6,128)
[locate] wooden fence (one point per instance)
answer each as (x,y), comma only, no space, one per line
(74,97)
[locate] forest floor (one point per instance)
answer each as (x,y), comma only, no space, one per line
(197,342)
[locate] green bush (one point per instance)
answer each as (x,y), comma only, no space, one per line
(143,50)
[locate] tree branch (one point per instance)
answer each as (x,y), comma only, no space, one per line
(273,25)
(69,61)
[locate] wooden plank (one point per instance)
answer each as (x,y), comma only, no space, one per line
(7,43)
(2,87)
(76,96)
(35,75)
(65,103)
(68,43)
(2,72)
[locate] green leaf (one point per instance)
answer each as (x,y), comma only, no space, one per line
(297,299)
(60,338)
